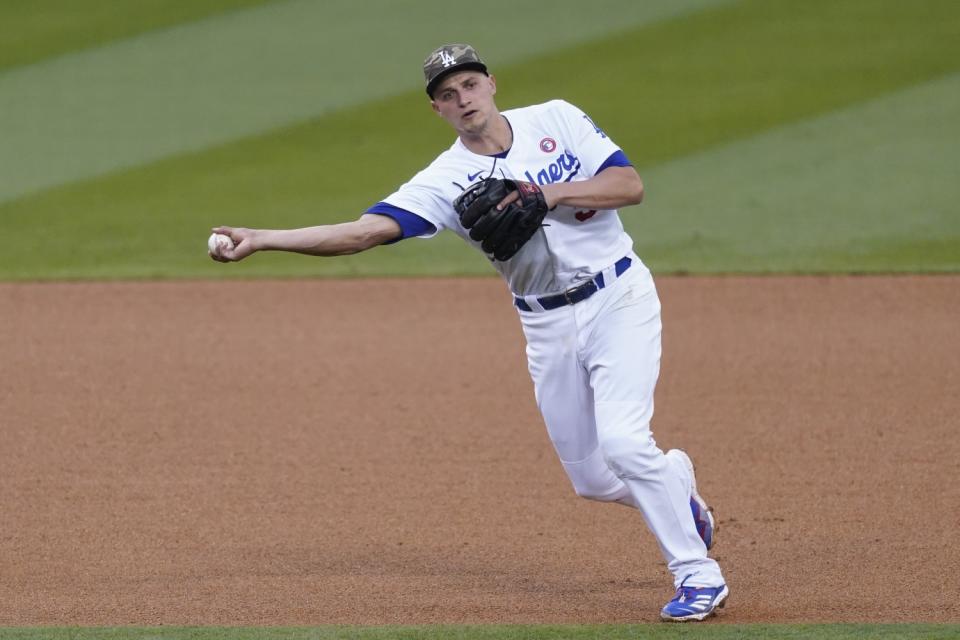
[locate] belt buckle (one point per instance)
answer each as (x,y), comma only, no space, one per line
(575,290)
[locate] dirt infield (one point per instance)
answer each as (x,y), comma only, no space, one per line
(306,452)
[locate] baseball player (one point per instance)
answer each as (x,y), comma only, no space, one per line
(537,190)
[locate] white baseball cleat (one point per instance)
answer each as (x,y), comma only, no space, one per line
(694,603)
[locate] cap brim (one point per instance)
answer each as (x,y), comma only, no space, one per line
(464,66)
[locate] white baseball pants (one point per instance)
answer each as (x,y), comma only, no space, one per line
(594,366)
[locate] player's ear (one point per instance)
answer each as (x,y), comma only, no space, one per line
(433,105)
(493,81)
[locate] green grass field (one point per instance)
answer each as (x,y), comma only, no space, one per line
(772,136)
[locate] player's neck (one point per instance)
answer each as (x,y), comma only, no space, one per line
(491,140)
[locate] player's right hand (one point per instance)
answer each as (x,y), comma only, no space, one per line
(243,244)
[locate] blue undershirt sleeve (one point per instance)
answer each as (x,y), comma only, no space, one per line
(411,225)
(616,159)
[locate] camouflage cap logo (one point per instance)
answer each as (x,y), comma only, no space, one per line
(447,59)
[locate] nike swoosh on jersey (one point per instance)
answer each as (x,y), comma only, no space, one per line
(473,176)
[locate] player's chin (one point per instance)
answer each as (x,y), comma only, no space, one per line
(471,118)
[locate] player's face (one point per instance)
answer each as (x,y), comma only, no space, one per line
(465,100)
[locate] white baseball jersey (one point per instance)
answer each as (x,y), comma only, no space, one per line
(552,142)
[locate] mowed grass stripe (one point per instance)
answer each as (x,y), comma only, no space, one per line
(682,86)
(34,30)
(701,631)
(242,73)
(871,188)
(151,222)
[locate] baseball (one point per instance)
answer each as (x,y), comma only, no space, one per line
(219,242)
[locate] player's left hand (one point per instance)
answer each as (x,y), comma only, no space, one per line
(501,230)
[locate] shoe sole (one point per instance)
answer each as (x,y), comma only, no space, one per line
(699,617)
(714,524)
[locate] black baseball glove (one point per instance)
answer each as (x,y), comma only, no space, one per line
(501,233)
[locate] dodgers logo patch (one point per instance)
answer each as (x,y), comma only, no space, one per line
(548,145)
